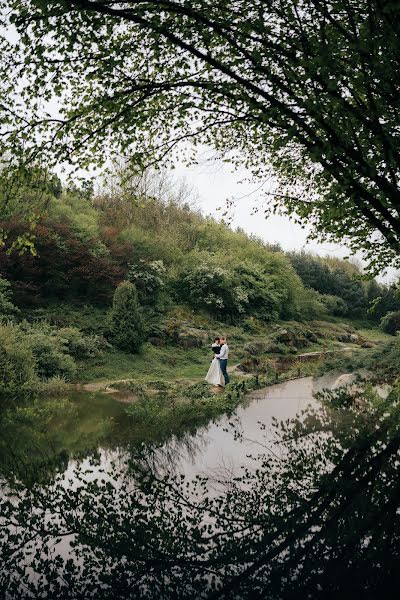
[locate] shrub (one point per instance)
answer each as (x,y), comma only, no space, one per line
(149,280)
(258,294)
(54,387)
(51,359)
(334,305)
(309,305)
(18,379)
(89,319)
(55,349)
(208,287)
(126,321)
(7,308)
(62,267)
(240,289)
(390,323)
(80,346)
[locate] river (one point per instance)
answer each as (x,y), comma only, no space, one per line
(217,454)
(221,449)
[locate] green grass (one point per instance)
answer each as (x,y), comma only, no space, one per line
(167,363)
(375,334)
(174,362)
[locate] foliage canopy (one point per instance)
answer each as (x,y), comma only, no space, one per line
(308,88)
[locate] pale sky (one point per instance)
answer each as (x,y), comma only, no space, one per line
(217,182)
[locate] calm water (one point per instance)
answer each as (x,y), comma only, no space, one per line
(221,449)
(217,451)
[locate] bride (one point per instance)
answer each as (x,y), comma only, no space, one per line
(214,375)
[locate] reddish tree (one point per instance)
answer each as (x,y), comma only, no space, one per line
(64,267)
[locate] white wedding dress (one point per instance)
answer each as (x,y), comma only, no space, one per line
(214,375)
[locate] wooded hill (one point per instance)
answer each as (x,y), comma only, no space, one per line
(84,245)
(89,278)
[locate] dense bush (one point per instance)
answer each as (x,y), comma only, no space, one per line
(210,287)
(149,278)
(82,250)
(257,293)
(80,346)
(333,277)
(87,318)
(334,305)
(18,378)
(388,300)
(390,323)
(38,358)
(51,359)
(56,349)
(7,308)
(308,305)
(126,321)
(240,289)
(61,267)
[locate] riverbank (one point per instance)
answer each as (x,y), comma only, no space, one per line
(41,438)
(121,398)
(186,355)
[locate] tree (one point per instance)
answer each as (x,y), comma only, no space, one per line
(26,191)
(62,265)
(391,322)
(149,280)
(338,279)
(304,89)
(387,301)
(18,378)
(126,322)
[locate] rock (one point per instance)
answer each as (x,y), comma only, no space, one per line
(283,335)
(367,345)
(156,341)
(293,350)
(254,348)
(297,337)
(249,365)
(343,337)
(275,349)
(347,337)
(190,337)
(311,336)
(301,341)
(354,338)
(190,342)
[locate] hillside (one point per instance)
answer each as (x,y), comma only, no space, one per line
(194,278)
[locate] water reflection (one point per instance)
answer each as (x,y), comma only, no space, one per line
(228,445)
(310,507)
(35,453)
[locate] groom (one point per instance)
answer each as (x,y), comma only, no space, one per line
(223,358)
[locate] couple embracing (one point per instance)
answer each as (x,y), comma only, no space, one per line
(217,373)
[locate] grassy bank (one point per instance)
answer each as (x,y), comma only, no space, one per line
(268,344)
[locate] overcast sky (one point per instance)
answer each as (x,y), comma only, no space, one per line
(216,183)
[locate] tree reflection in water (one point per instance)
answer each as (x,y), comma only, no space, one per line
(318,519)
